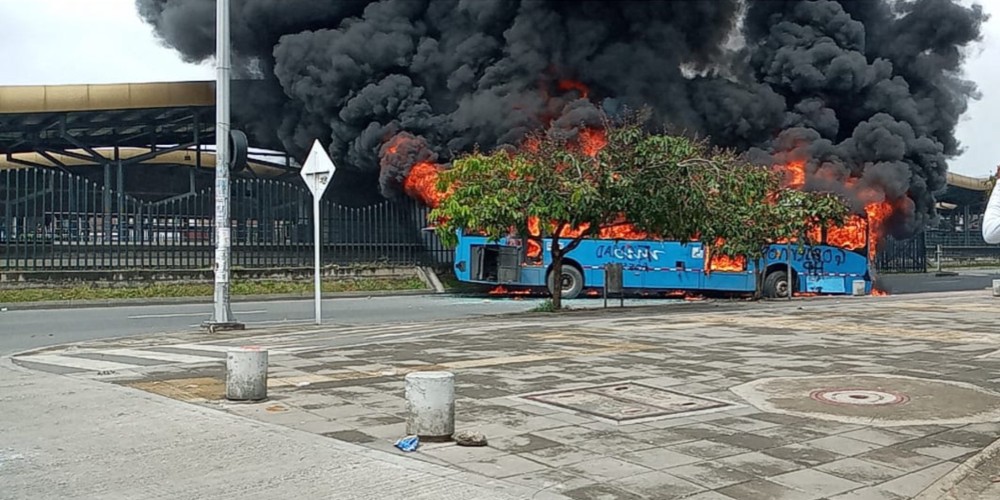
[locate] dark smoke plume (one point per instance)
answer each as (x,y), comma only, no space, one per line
(859,89)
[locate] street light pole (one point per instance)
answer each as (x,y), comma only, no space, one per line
(222,314)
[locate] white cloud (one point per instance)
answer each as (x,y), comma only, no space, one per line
(85,41)
(977,129)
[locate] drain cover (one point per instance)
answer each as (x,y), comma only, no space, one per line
(873,399)
(628,401)
(863,397)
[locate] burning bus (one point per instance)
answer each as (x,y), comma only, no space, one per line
(652,265)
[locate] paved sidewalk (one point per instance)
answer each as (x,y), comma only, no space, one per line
(851,398)
(65,438)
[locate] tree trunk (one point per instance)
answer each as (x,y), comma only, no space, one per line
(758,273)
(557,258)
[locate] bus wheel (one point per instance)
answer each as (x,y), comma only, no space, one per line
(776,284)
(570,280)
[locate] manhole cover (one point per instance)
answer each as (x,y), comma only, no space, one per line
(873,399)
(864,397)
(628,401)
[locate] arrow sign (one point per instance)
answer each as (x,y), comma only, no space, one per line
(317,172)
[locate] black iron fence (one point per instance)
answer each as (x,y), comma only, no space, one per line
(51,220)
(901,256)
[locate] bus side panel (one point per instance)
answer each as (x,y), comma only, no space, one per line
(463,258)
(646,264)
(823,269)
(533,276)
(678,266)
(593,255)
(730,281)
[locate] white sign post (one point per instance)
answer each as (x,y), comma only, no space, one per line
(317,172)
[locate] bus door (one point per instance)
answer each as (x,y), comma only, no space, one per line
(495,263)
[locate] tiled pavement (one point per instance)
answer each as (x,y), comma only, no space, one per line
(355,393)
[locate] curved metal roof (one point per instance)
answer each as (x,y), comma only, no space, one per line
(93,97)
(970,183)
(84,158)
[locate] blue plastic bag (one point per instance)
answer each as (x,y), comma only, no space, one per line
(408,443)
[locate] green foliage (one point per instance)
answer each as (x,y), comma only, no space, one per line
(749,210)
(647,179)
(670,186)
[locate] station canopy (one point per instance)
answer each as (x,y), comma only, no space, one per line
(67,126)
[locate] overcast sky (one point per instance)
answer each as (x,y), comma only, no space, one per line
(104,41)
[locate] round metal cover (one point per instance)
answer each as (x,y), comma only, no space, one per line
(859,397)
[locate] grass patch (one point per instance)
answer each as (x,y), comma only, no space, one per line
(169,290)
(546,307)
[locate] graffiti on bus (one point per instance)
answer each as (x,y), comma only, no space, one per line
(628,252)
(813,259)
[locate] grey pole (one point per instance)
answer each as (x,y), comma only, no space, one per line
(222,314)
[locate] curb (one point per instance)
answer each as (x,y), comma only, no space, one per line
(166,301)
(941,488)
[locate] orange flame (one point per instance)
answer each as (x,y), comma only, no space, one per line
(879,293)
(421,184)
(877,213)
(850,236)
(502,290)
(795,174)
(857,231)
(592,141)
(567,85)
(721,262)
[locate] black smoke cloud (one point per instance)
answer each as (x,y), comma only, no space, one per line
(860,89)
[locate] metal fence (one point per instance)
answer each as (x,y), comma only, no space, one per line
(902,256)
(958,240)
(51,220)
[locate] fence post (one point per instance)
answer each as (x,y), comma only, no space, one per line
(938,258)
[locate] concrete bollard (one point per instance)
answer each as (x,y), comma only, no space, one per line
(246,373)
(430,405)
(996,288)
(859,288)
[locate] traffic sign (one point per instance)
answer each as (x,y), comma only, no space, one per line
(318,170)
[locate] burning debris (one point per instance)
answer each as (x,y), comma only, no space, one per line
(857,98)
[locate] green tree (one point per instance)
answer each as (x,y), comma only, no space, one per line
(575,191)
(750,210)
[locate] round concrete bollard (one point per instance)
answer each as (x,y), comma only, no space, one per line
(859,288)
(430,405)
(246,373)
(996,288)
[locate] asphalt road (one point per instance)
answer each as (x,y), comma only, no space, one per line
(29,329)
(21,330)
(978,279)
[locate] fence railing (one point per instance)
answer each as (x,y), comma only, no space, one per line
(51,220)
(901,256)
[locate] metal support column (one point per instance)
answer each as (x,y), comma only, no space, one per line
(106,202)
(222,314)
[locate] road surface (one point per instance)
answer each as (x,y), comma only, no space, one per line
(930,282)
(29,329)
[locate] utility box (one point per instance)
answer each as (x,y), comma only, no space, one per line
(613,278)
(614,282)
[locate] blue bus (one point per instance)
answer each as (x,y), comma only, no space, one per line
(656,266)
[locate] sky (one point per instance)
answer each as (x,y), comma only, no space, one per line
(48,42)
